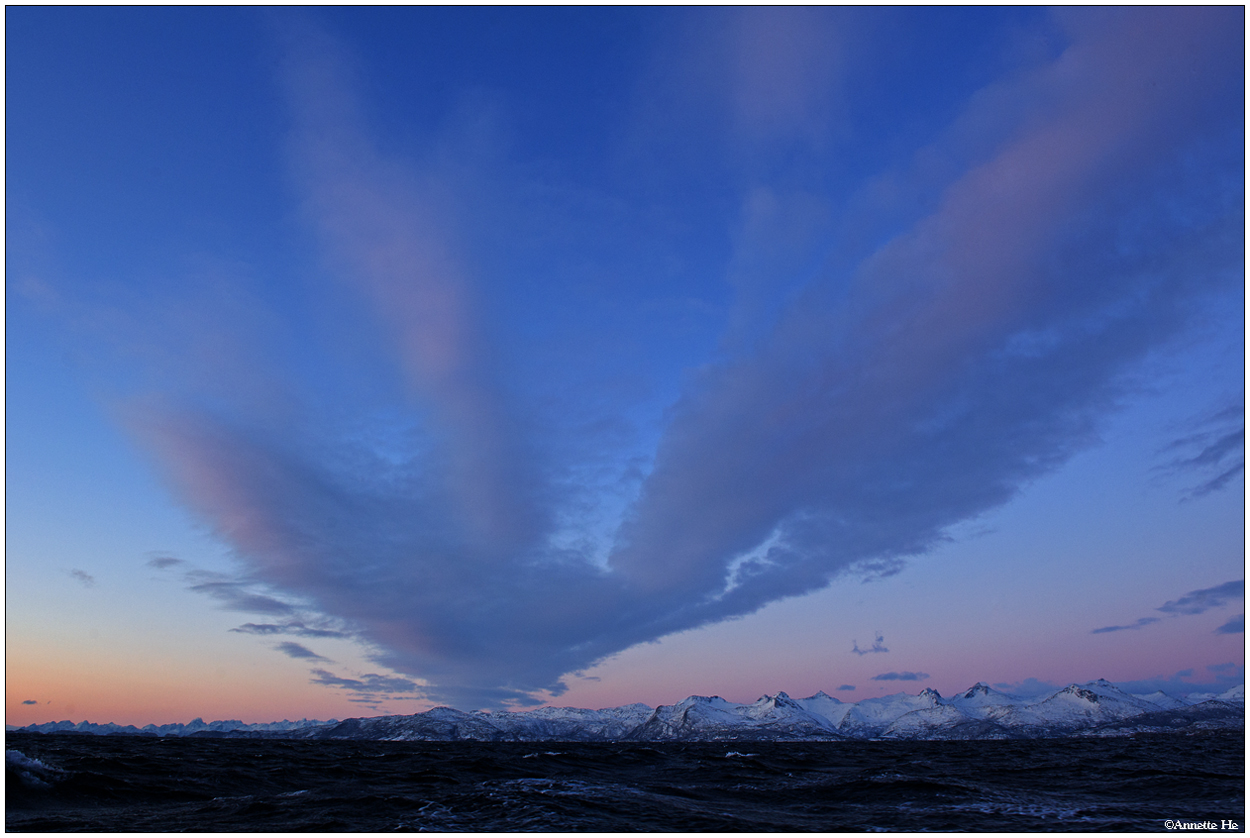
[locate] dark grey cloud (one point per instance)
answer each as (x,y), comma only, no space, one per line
(1235,625)
(295,650)
(30,701)
(846,688)
(1143,621)
(876,647)
(903,390)
(163,562)
(87,580)
(370,683)
(294,628)
(1196,602)
(901,676)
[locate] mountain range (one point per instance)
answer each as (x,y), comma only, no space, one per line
(1098,708)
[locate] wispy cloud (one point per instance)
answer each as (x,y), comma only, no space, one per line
(901,676)
(235,595)
(876,647)
(370,683)
(294,628)
(894,395)
(846,688)
(1235,625)
(295,650)
(30,701)
(87,580)
(1214,450)
(164,562)
(1143,621)
(1196,602)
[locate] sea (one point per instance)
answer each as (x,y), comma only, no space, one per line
(1151,783)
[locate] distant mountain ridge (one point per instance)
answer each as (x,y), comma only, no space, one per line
(1098,708)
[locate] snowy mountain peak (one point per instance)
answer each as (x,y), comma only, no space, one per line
(929,692)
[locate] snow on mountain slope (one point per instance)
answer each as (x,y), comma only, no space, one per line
(1162,700)
(873,715)
(701,718)
(979,701)
(945,721)
(825,706)
(1074,707)
(1235,695)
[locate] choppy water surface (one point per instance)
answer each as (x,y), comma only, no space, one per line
(106,783)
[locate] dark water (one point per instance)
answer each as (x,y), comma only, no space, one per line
(140,784)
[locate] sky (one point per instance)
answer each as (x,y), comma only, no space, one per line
(364,360)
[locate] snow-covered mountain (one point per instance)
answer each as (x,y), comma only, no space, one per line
(1098,708)
(192,727)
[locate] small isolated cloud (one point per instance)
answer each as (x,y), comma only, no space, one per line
(295,650)
(877,646)
(1144,621)
(846,688)
(292,627)
(371,683)
(82,576)
(1195,602)
(901,676)
(163,562)
(1237,625)
(30,701)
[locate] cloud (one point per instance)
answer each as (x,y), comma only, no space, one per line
(1214,449)
(901,676)
(294,628)
(163,562)
(235,595)
(1196,602)
(876,647)
(87,580)
(1235,625)
(30,701)
(371,683)
(978,344)
(846,688)
(295,650)
(1143,621)
(1180,683)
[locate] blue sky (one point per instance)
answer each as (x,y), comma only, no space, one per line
(360,360)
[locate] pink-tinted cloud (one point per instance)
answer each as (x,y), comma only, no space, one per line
(976,349)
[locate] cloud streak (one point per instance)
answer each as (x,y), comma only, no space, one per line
(901,676)
(975,349)
(1192,603)
(1197,602)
